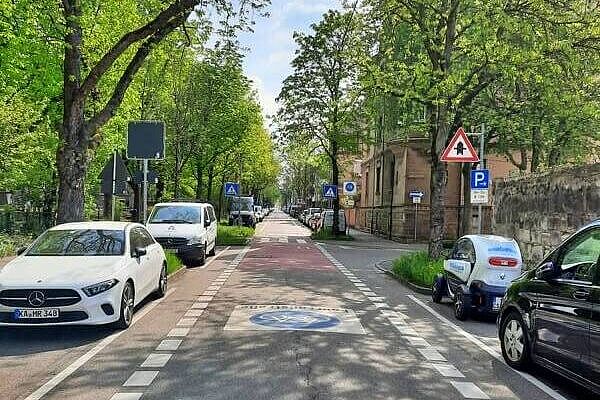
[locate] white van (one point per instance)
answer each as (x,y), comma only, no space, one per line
(188,228)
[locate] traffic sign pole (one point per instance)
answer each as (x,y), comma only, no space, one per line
(481,166)
(145,183)
(114,187)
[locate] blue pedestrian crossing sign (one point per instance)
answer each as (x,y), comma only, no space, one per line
(330,191)
(232,189)
(480,179)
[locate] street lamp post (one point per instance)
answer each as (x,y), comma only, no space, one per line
(481,136)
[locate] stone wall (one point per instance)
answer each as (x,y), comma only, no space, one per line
(540,210)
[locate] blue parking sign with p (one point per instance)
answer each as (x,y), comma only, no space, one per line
(480,179)
(232,189)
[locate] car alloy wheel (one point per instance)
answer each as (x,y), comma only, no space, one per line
(162,282)
(126,316)
(514,341)
(461,311)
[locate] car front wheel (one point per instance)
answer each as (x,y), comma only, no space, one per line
(162,283)
(461,306)
(514,341)
(126,312)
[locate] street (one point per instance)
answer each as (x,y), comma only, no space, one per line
(253,324)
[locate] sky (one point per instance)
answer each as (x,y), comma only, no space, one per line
(272,47)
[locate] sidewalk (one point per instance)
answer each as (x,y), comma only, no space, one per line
(364,239)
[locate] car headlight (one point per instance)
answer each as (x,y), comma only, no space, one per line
(196,240)
(98,288)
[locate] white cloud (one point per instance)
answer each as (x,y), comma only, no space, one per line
(309,6)
(265,97)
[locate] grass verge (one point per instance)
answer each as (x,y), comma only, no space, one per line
(233,235)
(173,262)
(326,234)
(418,268)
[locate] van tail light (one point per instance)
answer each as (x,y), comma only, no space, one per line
(503,262)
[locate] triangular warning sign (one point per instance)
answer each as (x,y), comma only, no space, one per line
(460,149)
(231,191)
(330,193)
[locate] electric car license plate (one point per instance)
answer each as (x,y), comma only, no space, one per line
(36,313)
(497,303)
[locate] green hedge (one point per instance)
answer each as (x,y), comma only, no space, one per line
(327,234)
(418,268)
(233,235)
(9,244)
(173,262)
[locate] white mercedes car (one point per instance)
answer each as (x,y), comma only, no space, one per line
(85,273)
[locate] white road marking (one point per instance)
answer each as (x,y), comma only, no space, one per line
(204,299)
(407,330)
(127,396)
(283,239)
(382,305)
(187,321)
(178,332)
(448,370)
(155,360)
(65,373)
(376,298)
(469,390)
(431,354)
(417,341)
(214,258)
(209,292)
(141,378)
(169,345)
(265,240)
(214,287)
(539,384)
(301,241)
(193,313)
(200,306)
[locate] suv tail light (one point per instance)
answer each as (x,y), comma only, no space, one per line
(503,262)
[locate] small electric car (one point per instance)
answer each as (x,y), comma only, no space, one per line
(477,274)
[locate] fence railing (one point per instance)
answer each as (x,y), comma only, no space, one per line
(409,222)
(25,222)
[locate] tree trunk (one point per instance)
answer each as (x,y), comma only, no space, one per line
(438,183)
(199,178)
(211,175)
(336,202)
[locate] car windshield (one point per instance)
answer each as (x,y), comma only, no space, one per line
(175,215)
(79,242)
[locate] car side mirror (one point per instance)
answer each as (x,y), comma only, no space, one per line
(139,252)
(21,250)
(206,223)
(546,271)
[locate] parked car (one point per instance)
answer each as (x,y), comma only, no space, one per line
(258,213)
(326,221)
(302,216)
(190,229)
(477,273)
(314,220)
(309,215)
(295,210)
(86,273)
(551,314)
(241,212)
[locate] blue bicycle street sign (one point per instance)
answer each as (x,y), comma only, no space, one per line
(330,191)
(232,189)
(480,179)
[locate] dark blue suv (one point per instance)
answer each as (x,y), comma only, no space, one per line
(551,314)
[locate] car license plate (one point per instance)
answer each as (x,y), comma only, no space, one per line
(497,303)
(36,313)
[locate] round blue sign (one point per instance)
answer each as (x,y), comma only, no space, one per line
(349,187)
(294,319)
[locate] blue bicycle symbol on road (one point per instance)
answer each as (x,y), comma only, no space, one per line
(295,319)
